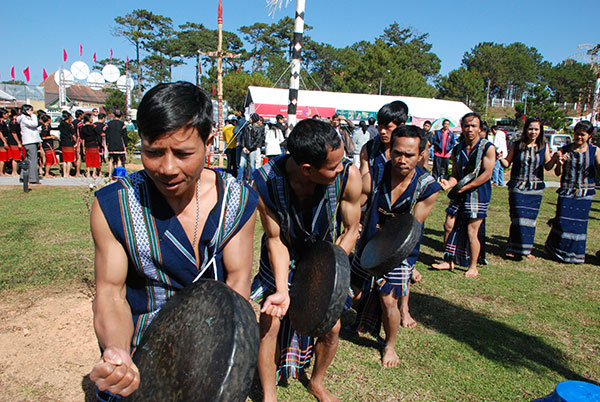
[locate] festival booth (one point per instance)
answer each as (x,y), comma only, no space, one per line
(269,102)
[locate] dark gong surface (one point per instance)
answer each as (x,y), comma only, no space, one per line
(201,346)
(391,244)
(453,194)
(319,289)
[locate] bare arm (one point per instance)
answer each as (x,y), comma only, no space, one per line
(275,305)
(489,160)
(451,182)
(366,188)
(505,162)
(349,122)
(364,161)
(238,256)
(549,162)
(115,371)
(424,207)
(350,209)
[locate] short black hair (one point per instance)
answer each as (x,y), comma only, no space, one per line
(311,140)
(45,118)
(279,116)
(3,111)
(169,107)
(26,108)
(371,120)
(396,112)
(118,113)
(468,116)
(101,116)
(87,117)
(427,122)
(410,131)
(66,115)
(584,125)
(78,113)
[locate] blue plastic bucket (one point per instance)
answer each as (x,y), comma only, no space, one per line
(119,172)
(573,391)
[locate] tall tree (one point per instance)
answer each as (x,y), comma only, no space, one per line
(463,85)
(540,104)
(569,80)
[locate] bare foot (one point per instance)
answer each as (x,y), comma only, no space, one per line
(472,272)
(406,320)
(389,357)
(442,265)
(531,256)
(416,276)
(320,392)
(509,255)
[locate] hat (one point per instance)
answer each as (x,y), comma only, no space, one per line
(231,117)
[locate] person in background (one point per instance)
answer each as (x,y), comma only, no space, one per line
(4,135)
(252,140)
(95,114)
(273,139)
(372,128)
(360,137)
(129,124)
(424,162)
(240,131)
(31,140)
(344,131)
(500,144)
(67,142)
(16,151)
(576,164)
(116,138)
(100,130)
(91,146)
(230,145)
(443,141)
(50,158)
(79,151)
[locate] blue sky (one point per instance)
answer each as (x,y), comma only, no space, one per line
(36,33)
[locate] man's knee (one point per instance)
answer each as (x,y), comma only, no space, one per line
(449,223)
(333,335)
(389,302)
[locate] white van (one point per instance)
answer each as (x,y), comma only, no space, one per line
(556,141)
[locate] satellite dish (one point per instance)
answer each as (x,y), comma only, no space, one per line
(67,77)
(111,73)
(95,81)
(125,83)
(80,70)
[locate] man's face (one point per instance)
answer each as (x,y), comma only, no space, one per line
(426,126)
(332,166)
(174,161)
(385,131)
(471,128)
(404,155)
(446,125)
(335,122)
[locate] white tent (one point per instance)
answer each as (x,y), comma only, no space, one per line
(6,97)
(269,102)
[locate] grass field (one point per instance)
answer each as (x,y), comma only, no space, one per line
(511,334)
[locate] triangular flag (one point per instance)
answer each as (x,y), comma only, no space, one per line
(26,74)
(213,91)
(64,55)
(95,58)
(12,73)
(44,74)
(80,50)
(127,63)
(111,53)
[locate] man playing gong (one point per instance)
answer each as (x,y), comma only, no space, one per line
(307,195)
(161,229)
(403,187)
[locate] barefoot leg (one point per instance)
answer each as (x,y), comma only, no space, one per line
(406,319)
(390,317)
(267,356)
(325,349)
(416,276)
(441,265)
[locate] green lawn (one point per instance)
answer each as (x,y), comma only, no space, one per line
(511,334)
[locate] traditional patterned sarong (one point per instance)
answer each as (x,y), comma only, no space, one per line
(14,153)
(51,158)
(68,154)
(396,282)
(275,191)
(92,157)
(567,238)
(524,208)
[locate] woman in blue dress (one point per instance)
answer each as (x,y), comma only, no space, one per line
(529,156)
(576,164)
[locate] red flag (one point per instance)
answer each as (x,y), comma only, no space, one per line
(80,50)
(12,73)
(94,57)
(127,63)
(111,53)
(26,74)
(64,55)
(44,74)
(213,91)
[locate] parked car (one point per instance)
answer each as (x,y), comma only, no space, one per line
(555,141)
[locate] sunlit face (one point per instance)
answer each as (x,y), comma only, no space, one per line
(404,155)
(335,122)
(332,166)
(426,127)
(385,131)
(581,136)
(533,131)
(174,161)
(446,125)
(471,127)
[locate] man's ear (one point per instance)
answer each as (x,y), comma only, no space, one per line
(306,169)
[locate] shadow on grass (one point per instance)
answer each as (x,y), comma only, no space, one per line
(492,339)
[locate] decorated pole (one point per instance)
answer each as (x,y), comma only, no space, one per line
(596,105)
(296,54)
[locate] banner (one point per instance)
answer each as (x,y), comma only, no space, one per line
(64,55)
(12,73)
(44,74)
(80,50)
(95,58)
(26,74)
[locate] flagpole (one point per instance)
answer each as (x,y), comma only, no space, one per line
(296,53)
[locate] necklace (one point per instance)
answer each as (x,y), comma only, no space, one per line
(197,214)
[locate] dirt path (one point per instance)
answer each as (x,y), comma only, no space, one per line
(47,345)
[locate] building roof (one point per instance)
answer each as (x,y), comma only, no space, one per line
(75,93)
